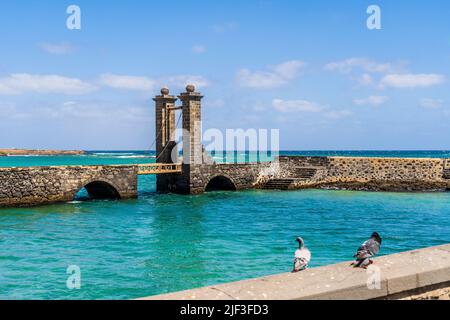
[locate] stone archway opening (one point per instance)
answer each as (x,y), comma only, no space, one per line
(98,190)
(220,183)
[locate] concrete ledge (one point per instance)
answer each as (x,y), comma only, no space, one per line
(399,273)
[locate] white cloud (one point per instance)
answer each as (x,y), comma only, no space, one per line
(365,64)
(101,111)
(296,106)
(372,100)
(412,80)
(276,76)
(365,80)
(180,81)
(431,103)
(199,49)
(58,48)
(127,82)
(392,74)
(304,106)
(6,89)
(23,83)
(20,83)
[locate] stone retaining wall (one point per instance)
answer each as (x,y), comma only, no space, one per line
(352,173)
(42,185)
(376,174)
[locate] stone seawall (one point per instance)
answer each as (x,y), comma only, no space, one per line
(372,174)
(295,172)
(42,185)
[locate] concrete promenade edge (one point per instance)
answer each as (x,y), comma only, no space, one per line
(398,273)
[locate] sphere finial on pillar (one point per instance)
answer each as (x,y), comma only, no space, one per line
(165,91)
(190,88)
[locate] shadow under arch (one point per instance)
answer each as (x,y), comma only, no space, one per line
(98,190)
(220,183)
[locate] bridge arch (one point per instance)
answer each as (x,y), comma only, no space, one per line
(220,183)
(99,189)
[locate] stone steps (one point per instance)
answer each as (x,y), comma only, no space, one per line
(305,173)
(446,174)
(301,174)
(278,184)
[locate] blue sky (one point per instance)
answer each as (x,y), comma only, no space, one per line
(309,68)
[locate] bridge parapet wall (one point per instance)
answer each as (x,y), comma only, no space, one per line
(243,176)
(42,185)
(195,178)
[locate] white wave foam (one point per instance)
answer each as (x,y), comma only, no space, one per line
(113,153)
(130,157)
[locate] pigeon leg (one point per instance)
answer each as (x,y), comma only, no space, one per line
(356,263)
(365,263)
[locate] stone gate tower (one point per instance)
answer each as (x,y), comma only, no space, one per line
(194,155)
(166,148)
(192,128)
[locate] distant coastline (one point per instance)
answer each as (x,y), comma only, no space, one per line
(24,152)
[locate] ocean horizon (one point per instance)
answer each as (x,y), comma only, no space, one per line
(105,157)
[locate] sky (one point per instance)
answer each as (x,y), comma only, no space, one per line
(312,69)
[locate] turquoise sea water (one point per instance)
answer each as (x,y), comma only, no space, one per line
(163,243)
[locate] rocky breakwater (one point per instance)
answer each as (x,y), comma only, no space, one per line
(23,152)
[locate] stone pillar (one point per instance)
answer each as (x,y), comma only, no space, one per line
(165,127)
(192,127)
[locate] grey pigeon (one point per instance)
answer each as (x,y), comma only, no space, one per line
(367,250)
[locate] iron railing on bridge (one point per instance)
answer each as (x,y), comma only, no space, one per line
(159,168)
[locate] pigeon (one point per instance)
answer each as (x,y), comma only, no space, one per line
(366,251)
(302,256)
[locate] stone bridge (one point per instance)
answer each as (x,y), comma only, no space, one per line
(197,172)
(197,179)
(43,185)
(200,173)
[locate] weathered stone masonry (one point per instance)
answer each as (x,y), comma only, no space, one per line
(200,172)
(367,174)
(196,178)
(373,174)
(42,185)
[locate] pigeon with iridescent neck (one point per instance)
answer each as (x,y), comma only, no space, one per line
(367,250)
